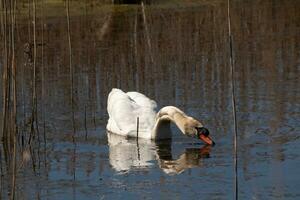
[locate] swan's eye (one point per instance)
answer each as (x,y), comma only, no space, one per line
(202,130)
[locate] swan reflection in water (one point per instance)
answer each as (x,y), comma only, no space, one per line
(127,154)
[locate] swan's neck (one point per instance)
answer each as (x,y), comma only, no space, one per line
(169,114)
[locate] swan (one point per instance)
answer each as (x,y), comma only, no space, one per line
(133,114)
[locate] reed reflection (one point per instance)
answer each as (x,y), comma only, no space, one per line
(126,154)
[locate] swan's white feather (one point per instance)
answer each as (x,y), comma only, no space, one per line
(124,109)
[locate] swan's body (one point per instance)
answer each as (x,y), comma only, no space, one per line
(125,108)
(132,114)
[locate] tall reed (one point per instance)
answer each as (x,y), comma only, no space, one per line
(5,72)
(147,32)
(233,100)
(34,117)
(72,88)
(14,114)
(9,88)
(71,68)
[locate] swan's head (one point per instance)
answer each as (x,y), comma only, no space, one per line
(203,134)
(194,128)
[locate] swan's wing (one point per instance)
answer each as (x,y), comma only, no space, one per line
(142,100)
(125,108)
(122,112)
(146,112)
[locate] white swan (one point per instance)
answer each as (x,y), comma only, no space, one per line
(132,114)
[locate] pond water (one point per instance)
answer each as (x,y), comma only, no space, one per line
(176,53)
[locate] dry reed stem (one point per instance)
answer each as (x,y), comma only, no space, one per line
(85,122)
(14,71)
(14,115)
(43,73)
(5,73)
(233,101)
(135,52)
(71,68)
(147,32)
(43,88)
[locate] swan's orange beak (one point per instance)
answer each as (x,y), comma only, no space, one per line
(206,139)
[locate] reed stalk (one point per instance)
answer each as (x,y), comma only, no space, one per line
(137,128)
(1,175)
(43,88)
(72,89)
(147,32)
(43,72)
(137,138)
(34,69)
(34,116)
(13,112)
(5,74)
(1,18)
(24,124)
(14,71)
(14,174)
(233,100)
(135,75)
(29,21)
(9,75)
(85,123)
(71,68)
(94,114)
